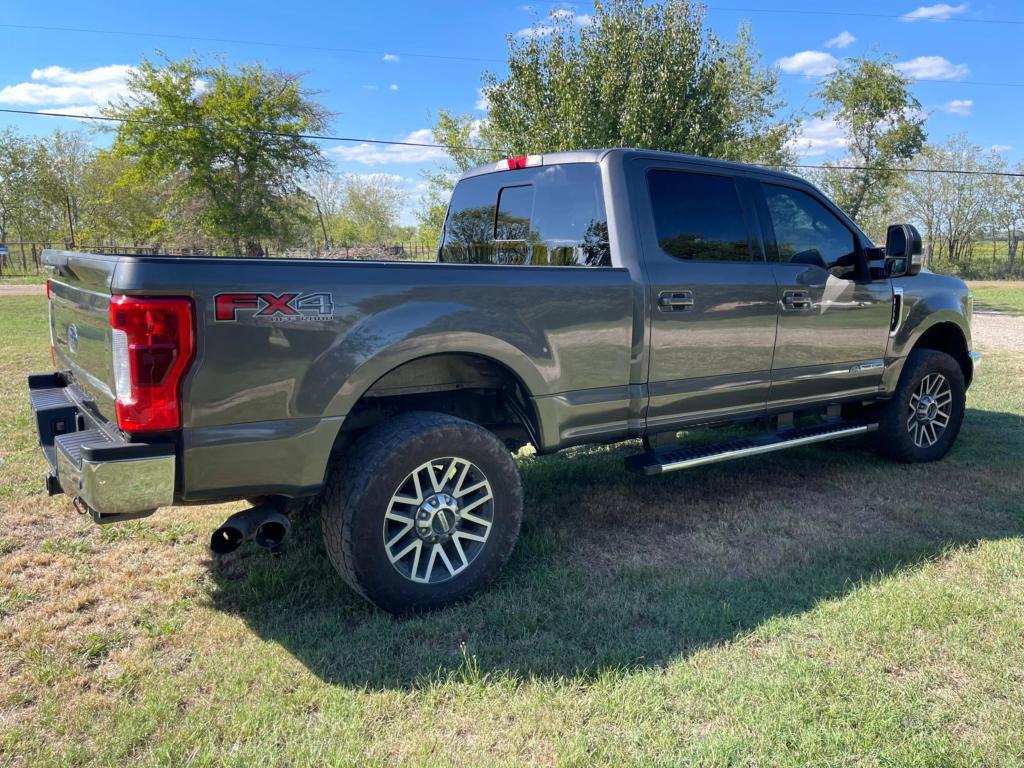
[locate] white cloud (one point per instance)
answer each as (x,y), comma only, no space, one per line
(808,63)
(557,14)
(842,40)
(383,154)
(957,107)
(368,87)
(83,91)
(1000,148)
(933,68)
(939,12)
(391,57)
(481,100)
(817,136)
(535,32)
(393,87)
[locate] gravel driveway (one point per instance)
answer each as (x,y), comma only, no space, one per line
(998,330)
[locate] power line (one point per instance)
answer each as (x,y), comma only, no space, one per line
(464,148)
(859,14)
(476,59)
(238,41)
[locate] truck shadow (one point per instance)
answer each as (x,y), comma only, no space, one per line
(615,571)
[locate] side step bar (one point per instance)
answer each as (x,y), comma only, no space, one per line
(672,459)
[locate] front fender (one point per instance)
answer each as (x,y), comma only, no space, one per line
(929,300)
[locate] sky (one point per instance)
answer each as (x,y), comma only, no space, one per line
(385,68)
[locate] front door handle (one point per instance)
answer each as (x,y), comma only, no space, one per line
(675,301)
(796,300)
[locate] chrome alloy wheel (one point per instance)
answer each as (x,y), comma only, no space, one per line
(930,409)
(438,520)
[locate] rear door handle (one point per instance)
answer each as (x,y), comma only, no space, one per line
(675,301)
(796,300)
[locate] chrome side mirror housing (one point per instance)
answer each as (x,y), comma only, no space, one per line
(903,250)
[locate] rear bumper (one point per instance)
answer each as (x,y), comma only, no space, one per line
(93,463)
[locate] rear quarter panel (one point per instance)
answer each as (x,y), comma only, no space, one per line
(263,384)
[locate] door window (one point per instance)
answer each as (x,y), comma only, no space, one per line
(697,216)
(806,232)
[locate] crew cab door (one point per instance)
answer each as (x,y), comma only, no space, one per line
(833,319)
(711,295)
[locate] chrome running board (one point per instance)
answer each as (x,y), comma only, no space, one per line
(673,459)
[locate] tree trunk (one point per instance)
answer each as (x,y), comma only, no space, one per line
(253,249)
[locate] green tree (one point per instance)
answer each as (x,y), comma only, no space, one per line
(369,209)
(884,126)
(15,183)
(233,141)
(122,204)
(641,75)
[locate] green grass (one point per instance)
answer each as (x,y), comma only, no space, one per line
(994,297)
(815,607)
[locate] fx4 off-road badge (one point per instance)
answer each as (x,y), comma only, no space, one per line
(276,307)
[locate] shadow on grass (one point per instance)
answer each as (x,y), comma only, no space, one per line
(618,572)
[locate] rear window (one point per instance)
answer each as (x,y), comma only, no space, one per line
(545,216)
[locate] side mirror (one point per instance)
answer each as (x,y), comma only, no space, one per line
(903,250)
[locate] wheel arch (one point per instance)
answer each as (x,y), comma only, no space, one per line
(946,336)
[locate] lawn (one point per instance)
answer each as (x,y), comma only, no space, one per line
(814,607)
(995,296)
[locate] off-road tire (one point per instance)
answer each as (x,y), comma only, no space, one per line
(894,438)
(359,489)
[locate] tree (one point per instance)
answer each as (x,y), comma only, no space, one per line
(15,183)
(59,162)
(232,138)
(871,101)
(641,75)
(369,209)
(120,203)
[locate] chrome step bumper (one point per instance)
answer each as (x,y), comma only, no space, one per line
(94,464)
(673,459)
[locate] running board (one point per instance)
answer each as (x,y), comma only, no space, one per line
(672,459)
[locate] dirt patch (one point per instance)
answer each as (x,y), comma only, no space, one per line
(997,330)
(22,290)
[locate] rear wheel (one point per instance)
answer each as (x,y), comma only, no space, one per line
(422,511)
(922,421)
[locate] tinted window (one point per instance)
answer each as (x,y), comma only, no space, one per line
(698,216)
(550,215)
(515,208)
(806,230)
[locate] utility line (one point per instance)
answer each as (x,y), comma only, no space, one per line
(465,148)
(444,57)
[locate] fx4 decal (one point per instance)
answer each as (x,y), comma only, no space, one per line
(277,307)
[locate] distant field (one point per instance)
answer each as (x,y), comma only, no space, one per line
(816,607)
(996,296)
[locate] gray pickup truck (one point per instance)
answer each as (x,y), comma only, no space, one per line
(581,297)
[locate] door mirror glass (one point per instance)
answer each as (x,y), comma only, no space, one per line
(903,250)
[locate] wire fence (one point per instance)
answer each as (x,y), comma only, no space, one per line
(24,259)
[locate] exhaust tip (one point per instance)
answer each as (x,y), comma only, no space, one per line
(272,533)
(226,539)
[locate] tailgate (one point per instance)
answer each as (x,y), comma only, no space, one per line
(80,322)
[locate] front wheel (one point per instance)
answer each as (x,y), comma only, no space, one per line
(922,420)
(422,511)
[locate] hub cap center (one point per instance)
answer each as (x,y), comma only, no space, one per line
(437,517)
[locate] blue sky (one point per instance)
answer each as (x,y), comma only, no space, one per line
(406,60)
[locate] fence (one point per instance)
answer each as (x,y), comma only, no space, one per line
(25,259)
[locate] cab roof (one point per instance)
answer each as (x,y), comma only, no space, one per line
(597,155)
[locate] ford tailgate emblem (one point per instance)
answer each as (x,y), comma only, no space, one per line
(73,339)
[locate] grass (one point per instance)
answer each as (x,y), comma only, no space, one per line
(999,297)
(814,607)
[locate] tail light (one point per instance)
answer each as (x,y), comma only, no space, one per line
(152,347)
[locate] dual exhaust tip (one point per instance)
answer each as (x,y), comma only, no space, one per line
(264,524)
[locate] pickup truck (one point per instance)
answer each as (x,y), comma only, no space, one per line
(581,297)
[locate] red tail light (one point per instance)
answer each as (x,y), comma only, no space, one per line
(152,347)
(48,290)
